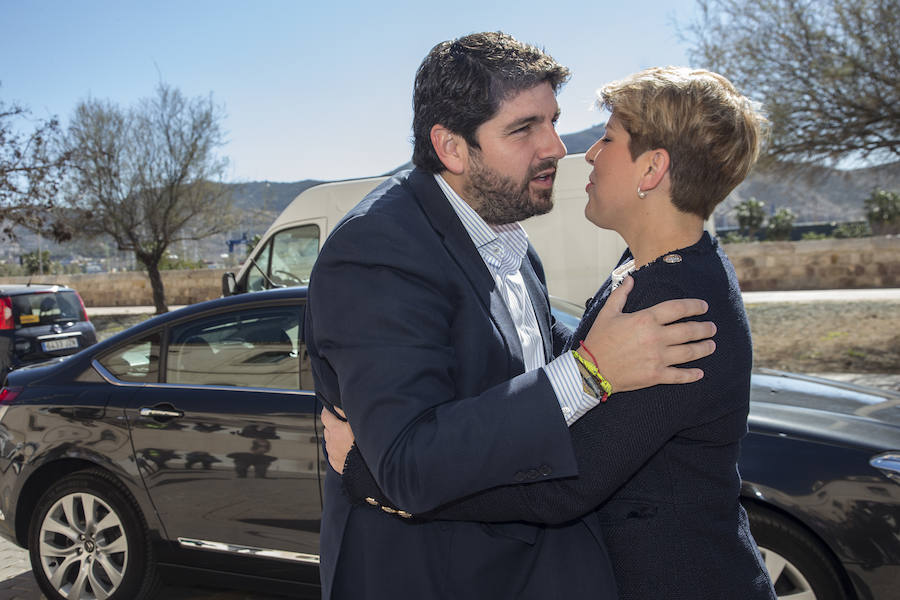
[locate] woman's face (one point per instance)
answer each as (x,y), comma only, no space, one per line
(612,187)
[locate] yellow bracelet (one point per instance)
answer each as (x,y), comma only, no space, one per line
(592,369)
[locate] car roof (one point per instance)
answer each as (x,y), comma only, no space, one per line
(17,289)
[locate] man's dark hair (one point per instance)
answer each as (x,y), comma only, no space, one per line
(461,84)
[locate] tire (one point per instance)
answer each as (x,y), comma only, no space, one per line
(88,541)
(801,568)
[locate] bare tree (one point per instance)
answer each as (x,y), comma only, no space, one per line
(31,170)
(828,71)
(149,176)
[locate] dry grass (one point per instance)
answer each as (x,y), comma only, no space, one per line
(827,337)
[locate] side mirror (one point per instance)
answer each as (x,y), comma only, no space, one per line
(229,285)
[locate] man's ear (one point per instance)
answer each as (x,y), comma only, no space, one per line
(657,165)
(451,149)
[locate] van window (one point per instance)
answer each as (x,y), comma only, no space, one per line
(293,253)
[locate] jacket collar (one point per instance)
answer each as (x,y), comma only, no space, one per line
(459,244)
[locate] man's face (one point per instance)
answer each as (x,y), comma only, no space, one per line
(511,177)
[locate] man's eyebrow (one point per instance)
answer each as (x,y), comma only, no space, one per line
(521,122)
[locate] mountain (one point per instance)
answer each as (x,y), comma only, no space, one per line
(268,196)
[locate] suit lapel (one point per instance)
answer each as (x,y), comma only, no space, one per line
(460,247)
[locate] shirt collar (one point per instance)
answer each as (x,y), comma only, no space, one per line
(511,235)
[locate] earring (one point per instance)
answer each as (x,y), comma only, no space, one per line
(641,194)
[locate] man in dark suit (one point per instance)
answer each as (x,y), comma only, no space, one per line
(428,292)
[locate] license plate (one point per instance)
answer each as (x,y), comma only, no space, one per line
(60,344)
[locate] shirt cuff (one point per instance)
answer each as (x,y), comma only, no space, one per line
(566,381)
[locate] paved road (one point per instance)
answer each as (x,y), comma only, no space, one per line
(887,294)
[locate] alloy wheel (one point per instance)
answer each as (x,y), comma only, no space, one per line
(789,582)
(83,547)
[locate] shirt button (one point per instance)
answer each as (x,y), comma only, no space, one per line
(567,411)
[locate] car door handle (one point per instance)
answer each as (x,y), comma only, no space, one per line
(160,413)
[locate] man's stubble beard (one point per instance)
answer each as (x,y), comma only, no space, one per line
(499,199)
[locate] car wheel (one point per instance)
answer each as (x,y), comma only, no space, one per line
(88,541)
(800,567)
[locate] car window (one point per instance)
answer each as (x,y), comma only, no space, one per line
(565,316)
(256,278)
(44,308)
(257,347)
(135,361)
(293,253)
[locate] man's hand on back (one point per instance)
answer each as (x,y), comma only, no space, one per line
(638,350)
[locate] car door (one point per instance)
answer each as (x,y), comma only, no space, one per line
(226,442)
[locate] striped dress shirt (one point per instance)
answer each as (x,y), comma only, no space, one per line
(502,248)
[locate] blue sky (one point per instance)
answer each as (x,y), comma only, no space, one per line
(311,90)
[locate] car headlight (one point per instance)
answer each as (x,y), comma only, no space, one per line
(888,463)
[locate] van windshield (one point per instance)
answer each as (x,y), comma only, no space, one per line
(286,259)
(294,252)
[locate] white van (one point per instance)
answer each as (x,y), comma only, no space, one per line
(577,255)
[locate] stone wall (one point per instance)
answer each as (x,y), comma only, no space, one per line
(817,264)
(761,266)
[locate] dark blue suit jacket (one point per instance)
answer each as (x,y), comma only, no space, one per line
(408,334)
(658,465)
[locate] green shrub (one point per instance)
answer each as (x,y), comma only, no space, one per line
(172,262)
(34,262)
(750,216)
(780,225)
(733,237)
(883,212)
(852,230)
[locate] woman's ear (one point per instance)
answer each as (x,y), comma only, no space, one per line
(657,165)
(451,148)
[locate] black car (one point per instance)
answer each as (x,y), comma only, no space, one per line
(188,446)
(41,322)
